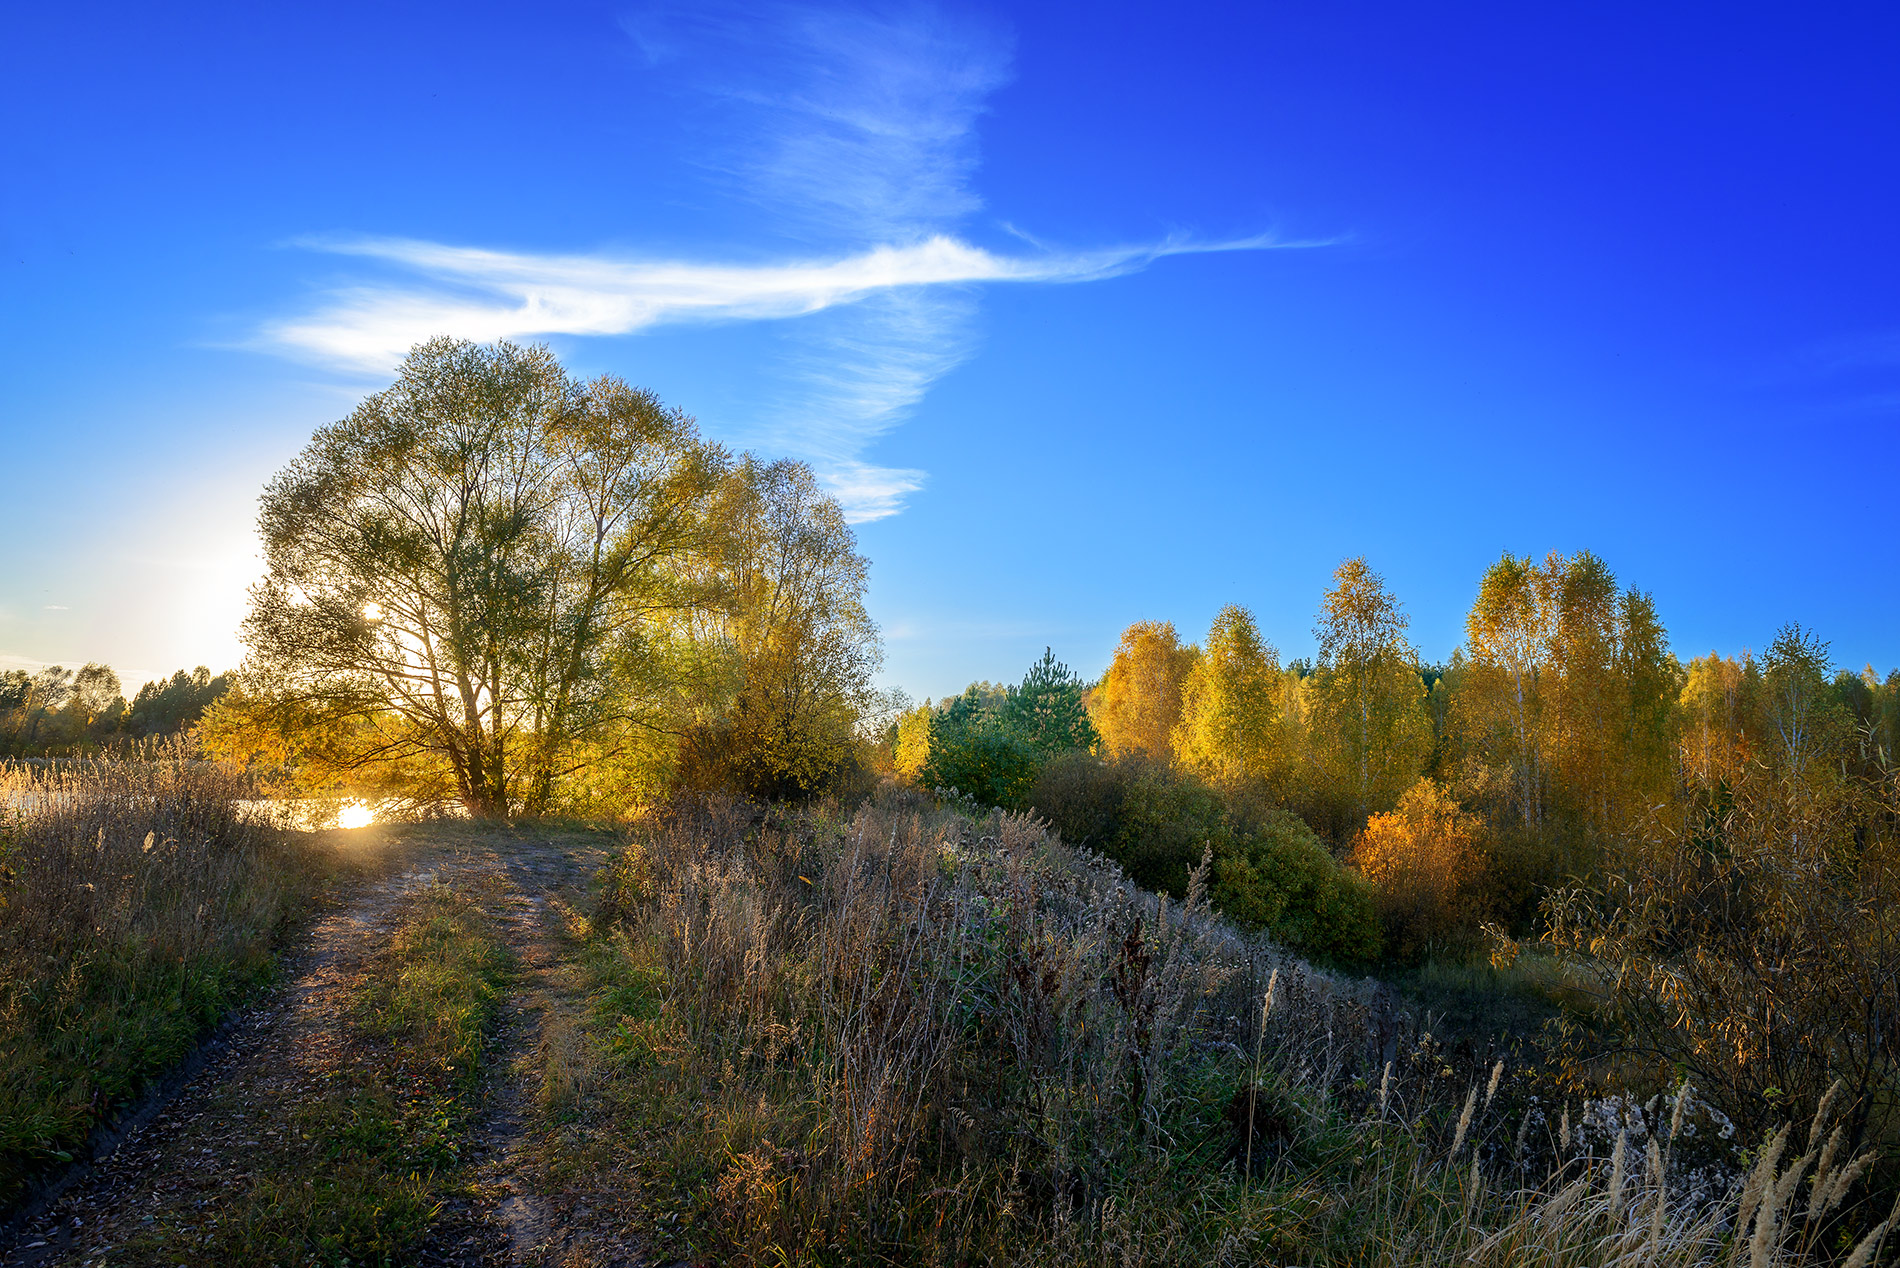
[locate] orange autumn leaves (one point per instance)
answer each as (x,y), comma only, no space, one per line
(1423,855)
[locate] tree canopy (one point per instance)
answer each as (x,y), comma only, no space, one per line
(492,583)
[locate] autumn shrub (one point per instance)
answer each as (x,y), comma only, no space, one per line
(1422,856)
(1155,822)
(1752,938)
(1518,865)
(1167,823)
(138,902)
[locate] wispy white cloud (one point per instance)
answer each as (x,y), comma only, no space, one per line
(854,133)
(849,125)
(484,294)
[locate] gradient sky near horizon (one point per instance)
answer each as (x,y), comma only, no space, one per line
(1088,313)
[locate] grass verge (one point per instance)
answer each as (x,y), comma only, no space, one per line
(138,906)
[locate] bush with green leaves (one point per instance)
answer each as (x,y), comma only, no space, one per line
(990,743)
(1270,871)
(977,756)
(1280,877)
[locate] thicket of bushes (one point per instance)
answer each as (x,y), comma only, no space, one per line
(1032,747)
(1268,869)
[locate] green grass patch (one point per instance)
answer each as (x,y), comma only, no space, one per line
(137,909)
(438,986)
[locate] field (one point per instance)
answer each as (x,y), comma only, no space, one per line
(889,1032)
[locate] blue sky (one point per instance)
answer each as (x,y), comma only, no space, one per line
(1090,313)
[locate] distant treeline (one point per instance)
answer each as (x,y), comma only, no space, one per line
(59,712)
(1444,795)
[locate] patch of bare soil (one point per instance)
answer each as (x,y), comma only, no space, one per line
(172,1187)
(522,1210)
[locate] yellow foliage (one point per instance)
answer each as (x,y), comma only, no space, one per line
(1714,709)
(912,749)
(1138,704)
(1367,723)
(1423,856)
(1230,727)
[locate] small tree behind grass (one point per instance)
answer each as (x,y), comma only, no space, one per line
(1752,938)
(972,749)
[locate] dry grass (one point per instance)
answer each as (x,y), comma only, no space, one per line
(137,904)
(909,1036)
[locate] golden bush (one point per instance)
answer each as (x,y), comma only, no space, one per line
(1423,856)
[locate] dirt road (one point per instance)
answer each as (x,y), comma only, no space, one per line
(226,1155)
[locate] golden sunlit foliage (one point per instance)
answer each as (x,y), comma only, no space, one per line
(1566,706)
(1467,791)
(788,652)
(1716,704)
(910,746)
(1138,704)
(494,585)
(1423,857)
(1230,729)
(1368,724)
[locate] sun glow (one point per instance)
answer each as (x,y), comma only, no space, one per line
(355,814)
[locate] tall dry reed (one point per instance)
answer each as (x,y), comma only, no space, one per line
(137,902)
(908,1035)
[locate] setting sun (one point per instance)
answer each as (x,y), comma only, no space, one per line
(355,814)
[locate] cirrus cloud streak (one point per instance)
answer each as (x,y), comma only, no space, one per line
(482,294)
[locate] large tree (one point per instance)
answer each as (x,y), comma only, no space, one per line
(1802,719)
(452,569)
